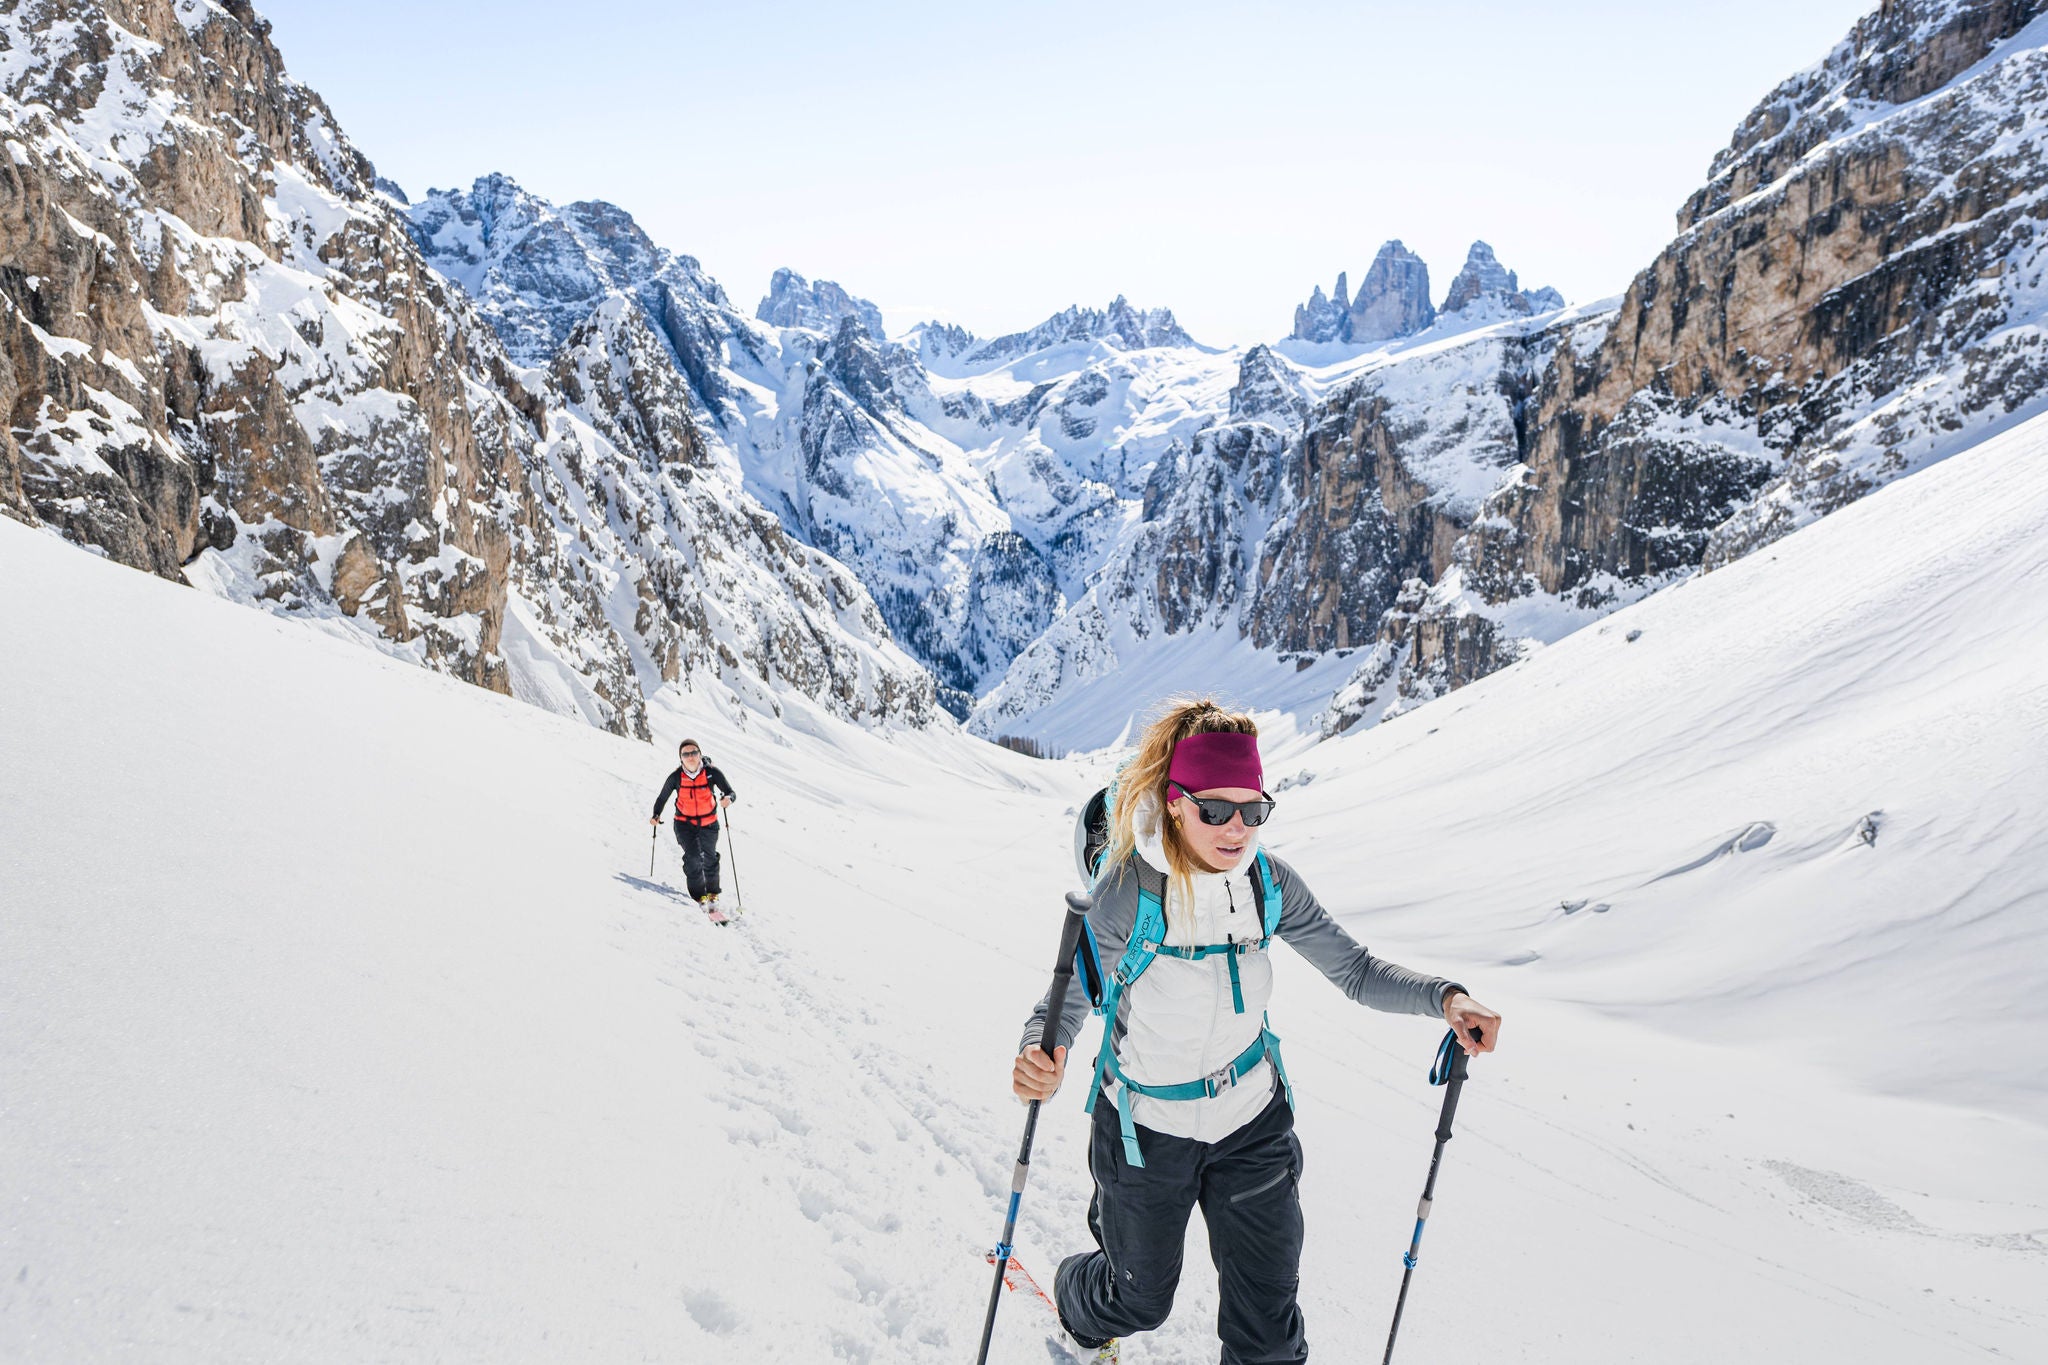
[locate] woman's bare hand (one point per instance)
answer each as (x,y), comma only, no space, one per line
(1036,1077)
(1465,1015)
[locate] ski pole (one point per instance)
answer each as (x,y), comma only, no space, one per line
(1078,907)
(1449,1072)
(653,843)
(737,894)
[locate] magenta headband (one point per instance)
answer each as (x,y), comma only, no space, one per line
(1215,759)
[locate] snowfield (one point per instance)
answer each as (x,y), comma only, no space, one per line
(343,1022)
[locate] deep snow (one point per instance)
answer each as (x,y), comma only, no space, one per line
(343,1024)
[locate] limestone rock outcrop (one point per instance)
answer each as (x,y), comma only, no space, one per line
(793,301)
(1393,298)
(1483,288)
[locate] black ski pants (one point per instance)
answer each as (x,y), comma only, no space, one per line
(700,857)
(1246,1185)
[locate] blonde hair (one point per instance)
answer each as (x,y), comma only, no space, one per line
(1145,772)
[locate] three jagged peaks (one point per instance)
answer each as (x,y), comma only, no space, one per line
(1393,299)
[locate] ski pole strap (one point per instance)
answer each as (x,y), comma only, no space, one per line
(1440,1070)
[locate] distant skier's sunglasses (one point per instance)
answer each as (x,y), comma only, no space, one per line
(690,753)
(1218,812)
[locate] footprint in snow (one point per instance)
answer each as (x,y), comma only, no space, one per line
(711,1312)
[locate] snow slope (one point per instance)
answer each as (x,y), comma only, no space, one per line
(343,1023)
(1701,792)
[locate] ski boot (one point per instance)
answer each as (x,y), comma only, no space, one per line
(1105,1354)
(712,911)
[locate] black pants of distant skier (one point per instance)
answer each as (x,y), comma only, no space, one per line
(700,858)
(1246,1185)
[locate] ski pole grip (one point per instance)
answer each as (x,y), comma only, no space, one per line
(1078,907)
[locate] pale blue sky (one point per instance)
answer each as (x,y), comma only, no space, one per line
(990,164)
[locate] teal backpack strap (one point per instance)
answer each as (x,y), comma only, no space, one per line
(1269,899)
(1146,930)
(1279,1067)
(1269,893)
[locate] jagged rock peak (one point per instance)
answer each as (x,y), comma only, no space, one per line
(1393,298)
(793,301)
(937,340)
(1138,328)
(536,270)
(1268,389)
(1124,326)
(1324,318)
(1484,283)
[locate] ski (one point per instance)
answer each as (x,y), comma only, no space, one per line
(721,914)
(1021,1282)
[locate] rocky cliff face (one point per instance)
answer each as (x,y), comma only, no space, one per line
(1850,291)
(1393,298)
(225,361)
(1851,295)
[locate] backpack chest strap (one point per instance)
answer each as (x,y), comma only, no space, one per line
(1233,951)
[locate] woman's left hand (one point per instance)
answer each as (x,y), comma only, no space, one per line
(1466,1017)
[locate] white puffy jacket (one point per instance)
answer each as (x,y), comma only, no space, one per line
(1177,1023)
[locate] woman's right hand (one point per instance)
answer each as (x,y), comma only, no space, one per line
(1035,1077)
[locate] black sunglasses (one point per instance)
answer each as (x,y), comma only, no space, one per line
(1218,812)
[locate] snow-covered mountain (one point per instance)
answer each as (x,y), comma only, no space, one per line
(1027,509)
(973,484)
(1855,293)
(1282,541)
(231,366)
(587,473)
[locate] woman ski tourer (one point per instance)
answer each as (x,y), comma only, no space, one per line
(701,792)
(1190,1100)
